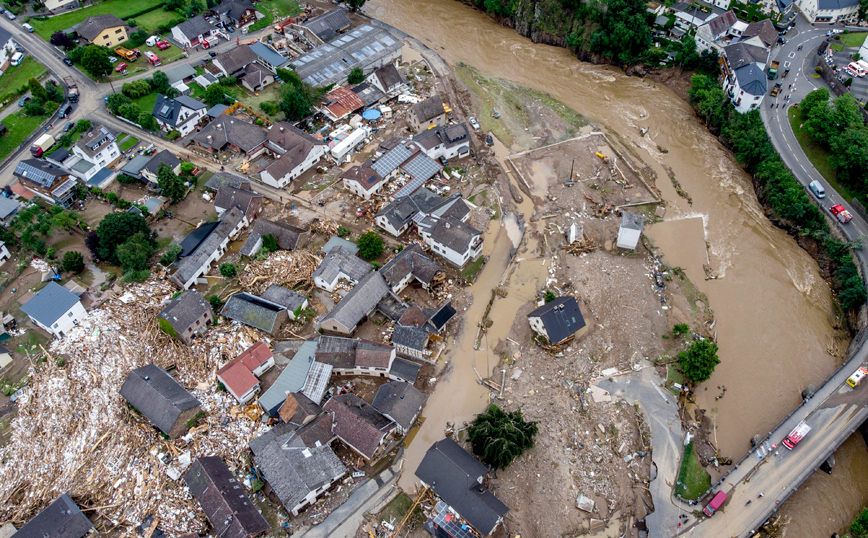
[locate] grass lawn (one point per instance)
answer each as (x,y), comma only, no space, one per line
(121,8)
(147,102)
(157,17)
(20,127)
(130,142)
(836,47)
(853,39)
(693,481)
(817,154)
(17,76)
(270,93)
(472,269)
(398,508)
(279,8)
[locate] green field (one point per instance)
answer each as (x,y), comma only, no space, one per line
(15,77)
(853,40)
(817,154)
(19,127)
(147,102)
(121,8)
(158,17)
(128,143)
(279,8)
(693,481)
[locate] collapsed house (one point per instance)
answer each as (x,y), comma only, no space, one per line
(558,320)
(205,245)
(186,315)
(358,425)
(415,329)
(60,519)
(339,264)
(159,397)
(287,236)
(400,402)
(358,304)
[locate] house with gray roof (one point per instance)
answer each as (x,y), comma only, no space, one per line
(256,77)
(355,356)
(454,240)
(226,133)
(630,230)
(358,425)
(98,145)
(296,151)
(414,329)
(179,73)
(239,13)
(291,379)
(232,63)
(558,320)
(335,241)
(401,213)
(299,410)
(256,312)
(242,197)
(288,237)
(830,11)
(298,474)
(103,30)
(338,264)
(149,171)
(134,167)
(60,519)
(427,113)
(404,370)
(193,31)
(185,316)
(226,505)
(206,245)
(456,477)
(388,80)
(449,141)
(54,309)
(400,402)
(219,179)
(267,57)
(160,399)
(764,30)
(408,265)
(358,304)
(292,301)
(327,26)
(8,208)
(181,114)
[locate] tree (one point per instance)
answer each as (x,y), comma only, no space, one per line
(133,253)
(228,270)
(370,245)
(64,220)
(690,58)
(172,5)
(73,262)
(136,88)
(36,89)
(170,184)
(160,82)
(62,39)
(355,5)
(171,255)
(91,241)
(849,155)
(83,125)
(34,108)
(680,329)
(859,527)
(356,76)
(294,104)
(269,243)
(550,296)
(138,38)
(709,62)
(130,111)
(847,113)
(194,7)
(215,95)
(114,230)
(816,98)
(115,101)
(498,437)
(698,361)
(96,61)
(54,92)
(187,168)
(76,54)
(216,303)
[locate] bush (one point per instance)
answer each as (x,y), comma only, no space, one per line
(174,134)
(356,76)
(343,232)
(216,303)
(698,361)
(127,180)
(228,270)
(269,107)
(135,276)
(370,245)
(550,296)
(171,254)
(680,329)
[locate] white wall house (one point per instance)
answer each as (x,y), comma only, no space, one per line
(181,114)
(4,252)
(212,248)
(8,48)
(746,87)
(449,238)
(287,167)
(362,181)
(830,11)
(99,146)
(55,309)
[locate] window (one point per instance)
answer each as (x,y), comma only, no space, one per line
(121,38)
(55,325)
(69,314)
(197,322)
(119,30)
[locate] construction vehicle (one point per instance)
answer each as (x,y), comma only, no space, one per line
(773,70)
(857,377)
(127,54)
(776,90)
(795,436)
(278,28)
(841,214)
(42,144)
(72,89)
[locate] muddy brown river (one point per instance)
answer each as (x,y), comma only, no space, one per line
(772,307)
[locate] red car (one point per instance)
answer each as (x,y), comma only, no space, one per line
(163,45)
(841,214)
(121,67)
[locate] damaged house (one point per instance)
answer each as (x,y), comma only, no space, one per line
(204,245)
(60,519)
(243,197)
(240,375)
(456,241)
(428,113)
(362,181)
(400,402)
(417,327)
(356,306)
(358,425)
(186,315)
(287,236)
(226,133)
(296,152)
(558,320)
(402,213)
(411,264)
(255,312)
(160,399)
(339,263)
(353,356)
(448,142)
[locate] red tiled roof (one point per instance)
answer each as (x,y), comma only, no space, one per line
(23,191)
(237,378)
(345,102)
(358,424)
(255,356)
(372,354)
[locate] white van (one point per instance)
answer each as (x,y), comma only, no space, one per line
(151,41)
(28,27)
(817,189)
(16,58)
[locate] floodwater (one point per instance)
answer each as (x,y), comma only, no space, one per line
(771,305)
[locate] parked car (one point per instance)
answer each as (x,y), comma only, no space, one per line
(163,45)
(121,67)
(473,123)
(841,214)
(113,59)
(443,160)
(68,127)
(65,111)
(67,61)
(18,48)
(212,54)
(28,27)
(230,29)
(23,101)
(10,15)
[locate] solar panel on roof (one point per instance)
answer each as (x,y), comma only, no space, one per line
(391,160)
(387,40)
(377,46)
(422,166)
(358,56)
(35,174)
(411,187)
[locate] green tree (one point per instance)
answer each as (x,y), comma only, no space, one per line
(187,168)
(228,270)
(96,61)
(53,92)
(34,108)
(114,230)
(550,296)
(64,220)
(73,262)
(130,111)
(215,95)
(115,101)
(849,155)
(170,184)
(160,82)
(138,38)
(269,243)
(136,88)
(294,104)
(498,437)
(356,76)
(698,361)
(133,253)
(171,254)
(76,54)
(847,112)
(859,527)
(355,5)
(689,56)
(370,245)
(709,62)
(814,99)
(216,303)
(680,329)
(36,89)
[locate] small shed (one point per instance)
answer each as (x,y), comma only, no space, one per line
(630,230)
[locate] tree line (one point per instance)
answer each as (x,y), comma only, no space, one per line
(785,199)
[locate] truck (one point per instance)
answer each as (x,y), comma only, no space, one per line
(72,89)
(841,214)
(857,377)
(773,70)
(776,90)
(153,58)
(715,504)
(795,436)
(42,144)
(127,54)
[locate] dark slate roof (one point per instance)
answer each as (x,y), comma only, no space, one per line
(456,477)
(335,241)
(327,25)
(561,318)
(405,370)
(236,59)
(231,512)
(233,8)
(164,156)
(194,27)
(94,140)
(60,154)
(219,179)
(179,72)
(391,307)
(441,316)
(763,29)
(358,424)
(632,221)
(741,54)
(428,109)
(831,5)
(268,54)
(195,238)
(411,260)
(134,167)
(389,76)
(293,144)
(400,401)
(185,309)
(157,395)
(252,310)
(286,235)
(228,196)
(292,469)
(751,79)
(61,519)
(317,432)
(340,260)
(454,234)
(719,25)
(169,110)
(188,265)
(450,136)
(367,93)
(410,337)
(365,176)
(39,172)
(92,27)
(49,303)
(402,210)
(337,351)
(288,299)
(227,130)
(360,300)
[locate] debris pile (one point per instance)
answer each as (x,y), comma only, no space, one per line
(75,433)
(284,268)
(323,227)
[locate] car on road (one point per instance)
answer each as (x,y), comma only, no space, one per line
(18,48)
(817,188)
(113,59)
(795,436)
(23,101)
(473,123)
(857,377)
(212,54)
(841,214)
(68,127)
(121,67)
(65,111)
(9,15)
(67,61)
(230,29)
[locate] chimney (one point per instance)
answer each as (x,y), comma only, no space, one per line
(209,139)
(281,129)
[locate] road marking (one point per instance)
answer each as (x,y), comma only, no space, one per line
(791,55)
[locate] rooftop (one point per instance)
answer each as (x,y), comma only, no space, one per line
(157,396)
(291,379)
(50,303)
(358,424)
(185,309)
(561,318)
(92,27)
(60,519)
(339,261)
(252,310)
(359,301)
(399,400)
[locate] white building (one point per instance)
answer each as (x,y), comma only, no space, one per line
(452,239)
(99,146)
(193,31)
(362,181)
(55,309)
(240,375)
(339,264)
(297,153)
(4,252)
(830,11)
(344,148)
(181,114)
(745,82)
(56,6)
(630,230)
(448,142)
(204,246)
(8,48)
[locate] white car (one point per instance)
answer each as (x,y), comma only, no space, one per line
(473,123)
(113,59)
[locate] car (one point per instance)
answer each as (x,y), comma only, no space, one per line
(121,67)
(23,101)
(443,160)
(67,61)
(231,30)
(489,140)
(68,127)
(113,59)
(817,189)
(10,15)
(841,214)
(163,45)
(18,48)
(783,40)
(473,123)
(278,80)
(212,54)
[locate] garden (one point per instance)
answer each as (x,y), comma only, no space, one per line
(122,8)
